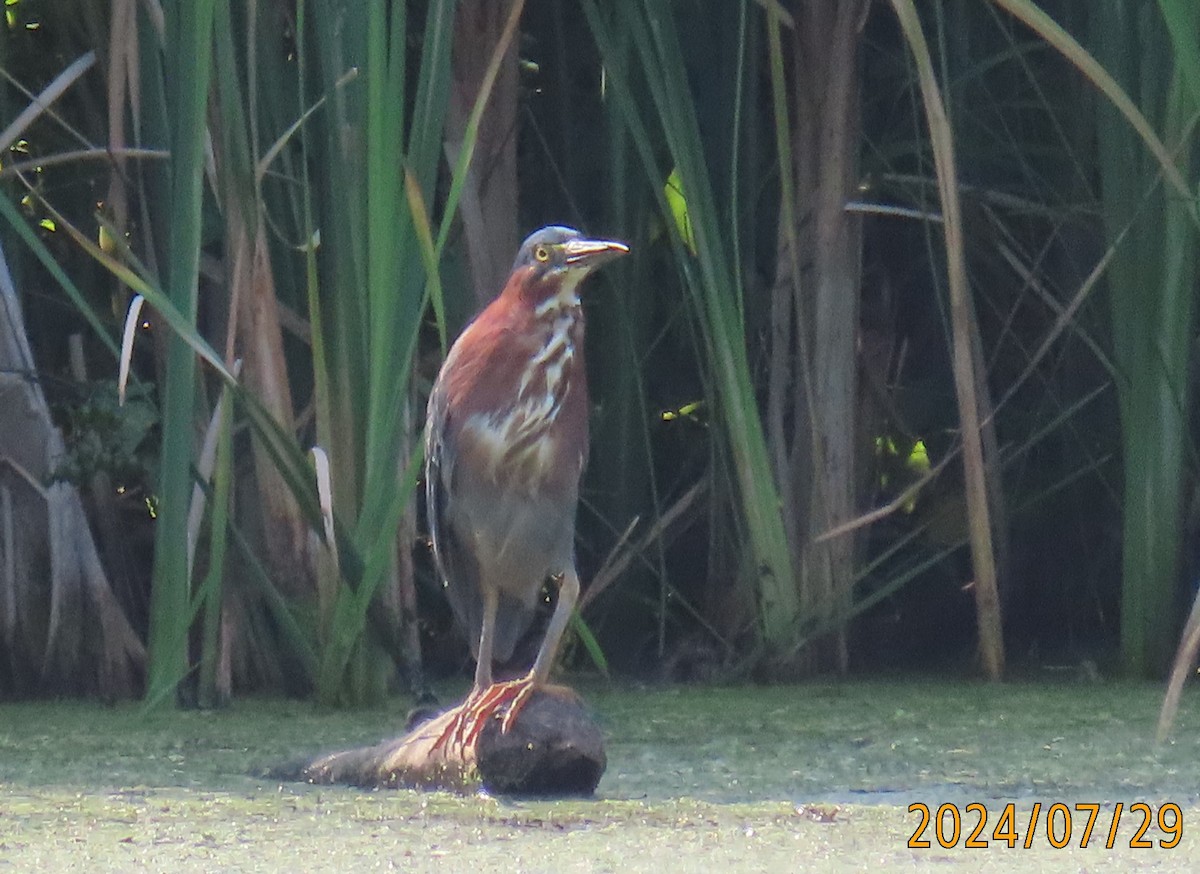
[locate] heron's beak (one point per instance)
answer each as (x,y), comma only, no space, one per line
(592,253)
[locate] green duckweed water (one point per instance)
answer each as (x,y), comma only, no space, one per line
(738,779)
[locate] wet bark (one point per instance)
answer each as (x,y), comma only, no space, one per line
(554,747)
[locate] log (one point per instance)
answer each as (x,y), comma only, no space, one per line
(553,747)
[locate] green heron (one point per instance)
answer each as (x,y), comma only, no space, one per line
(505,443)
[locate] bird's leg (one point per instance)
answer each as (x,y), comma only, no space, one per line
(568,595)
(462,727)
(487,698)
(487,637)
(522,689)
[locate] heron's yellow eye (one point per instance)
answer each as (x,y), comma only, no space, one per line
(542,254)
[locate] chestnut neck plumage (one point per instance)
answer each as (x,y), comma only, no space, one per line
(527,390)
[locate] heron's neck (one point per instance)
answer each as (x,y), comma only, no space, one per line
(566,298)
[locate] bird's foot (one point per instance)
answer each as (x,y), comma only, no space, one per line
(516,693)
(507,698)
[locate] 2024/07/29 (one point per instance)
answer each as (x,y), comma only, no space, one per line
(1059,827)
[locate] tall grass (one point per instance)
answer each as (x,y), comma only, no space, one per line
(306,214)
(1152,288)
(1145,62)
(965,361)
(711,276)
(187,64)
(326,161)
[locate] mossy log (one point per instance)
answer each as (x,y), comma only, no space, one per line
(553,747)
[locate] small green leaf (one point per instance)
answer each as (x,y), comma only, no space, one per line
(677,202)
(589,642)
